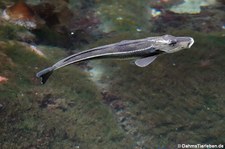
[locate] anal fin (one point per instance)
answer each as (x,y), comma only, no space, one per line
(143,62)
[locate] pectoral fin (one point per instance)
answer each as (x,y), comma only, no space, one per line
(143,62)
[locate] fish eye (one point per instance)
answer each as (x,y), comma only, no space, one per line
(173,43)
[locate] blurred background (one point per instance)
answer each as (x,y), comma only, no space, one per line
(178,99)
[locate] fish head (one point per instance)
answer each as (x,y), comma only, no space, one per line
(171,44)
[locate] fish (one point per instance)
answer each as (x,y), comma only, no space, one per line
(144,51)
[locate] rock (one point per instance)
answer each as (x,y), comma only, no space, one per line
(26,36)
(192,6)
(21,14)
(33,48)
(3,80)
(109,98)
(1,107)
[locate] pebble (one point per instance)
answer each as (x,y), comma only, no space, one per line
(1,106)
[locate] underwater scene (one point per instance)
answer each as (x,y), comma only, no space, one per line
(147,74)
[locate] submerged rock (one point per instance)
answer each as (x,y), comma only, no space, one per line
(3,79)
(21,14)
(33,49)
(192,6)
(26,36)
(1,106)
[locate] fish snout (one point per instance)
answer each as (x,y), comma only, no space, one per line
(191,42)
(185,42)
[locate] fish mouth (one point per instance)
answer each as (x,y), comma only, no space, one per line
(190,43)
(186,42)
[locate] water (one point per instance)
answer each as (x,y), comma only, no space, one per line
(178,99)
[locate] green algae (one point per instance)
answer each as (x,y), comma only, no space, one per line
(178,99)
(179,96)
(64,113)
(119,16)
(8,31)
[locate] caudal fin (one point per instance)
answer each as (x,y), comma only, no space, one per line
(45,74)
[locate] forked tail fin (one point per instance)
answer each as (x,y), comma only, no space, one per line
(45,74)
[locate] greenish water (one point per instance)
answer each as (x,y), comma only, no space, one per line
(113,104)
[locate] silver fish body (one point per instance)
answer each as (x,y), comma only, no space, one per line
(144,50)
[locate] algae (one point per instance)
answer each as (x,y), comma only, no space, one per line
(178,99)
(64,121)
(117,15)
